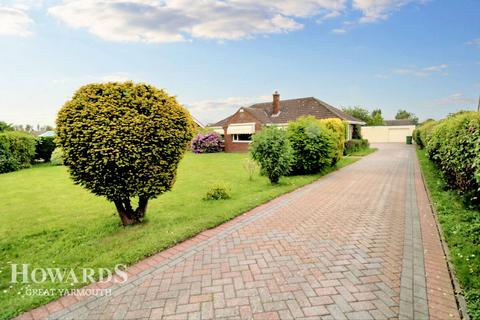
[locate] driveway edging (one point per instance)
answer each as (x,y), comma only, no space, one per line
(458,291)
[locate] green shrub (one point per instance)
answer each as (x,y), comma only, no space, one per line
(271,150)
(454,146)
(17,150)
(422,133)
(7,162)
(57,157)
(355,145)
(44,148)
(217,191)
(339,129)
(416,138)
(313,145)
(432,142)
(124,141)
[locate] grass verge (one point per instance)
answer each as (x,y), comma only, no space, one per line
(461,228)
(364,152)
(48,222)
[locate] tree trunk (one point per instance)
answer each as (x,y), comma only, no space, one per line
(126,212)
(142,207)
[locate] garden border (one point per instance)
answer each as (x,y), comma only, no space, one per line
(458,291)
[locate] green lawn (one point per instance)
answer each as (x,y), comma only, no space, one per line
(47,221)
(461,227)
(363,152)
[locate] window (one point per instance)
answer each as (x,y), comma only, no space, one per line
(241,137)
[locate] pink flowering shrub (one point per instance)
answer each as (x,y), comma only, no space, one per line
(207,143)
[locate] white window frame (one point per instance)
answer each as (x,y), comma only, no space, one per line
(236,140)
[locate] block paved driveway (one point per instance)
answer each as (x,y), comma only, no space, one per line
(360,243)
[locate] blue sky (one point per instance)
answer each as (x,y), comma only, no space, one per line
(423,56)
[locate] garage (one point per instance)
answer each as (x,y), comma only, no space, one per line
(393,131)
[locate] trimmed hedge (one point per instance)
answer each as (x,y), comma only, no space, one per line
(355,145)
(44,148)
(207,143)
(422,133)
(17,150)
(453,144)
(339,130)
(313,144)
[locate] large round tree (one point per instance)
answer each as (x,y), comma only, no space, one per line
(124,141)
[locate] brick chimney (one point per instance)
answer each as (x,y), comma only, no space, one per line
(276,103)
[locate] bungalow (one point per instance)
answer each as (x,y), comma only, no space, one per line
(238,128)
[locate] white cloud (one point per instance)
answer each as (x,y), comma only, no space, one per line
(180,20)
(116,77)
(374,10)
(381,76)
(25,4)
(14,22)
(474,42)
(456,99)
(422,72)
(94,78)
(339,31)
(211,111)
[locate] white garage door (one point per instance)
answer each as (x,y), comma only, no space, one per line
(380,134)
(398,134)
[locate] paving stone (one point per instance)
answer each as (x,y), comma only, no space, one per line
(360,315)
(295,308)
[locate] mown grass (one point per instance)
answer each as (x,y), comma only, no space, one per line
(461,227)
(363,152)
(47,221)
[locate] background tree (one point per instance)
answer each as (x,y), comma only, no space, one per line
(371,119)
(359,113)
(271,150)
(404,114)
(5,126)
(376,118)
(124,141)
(30,128)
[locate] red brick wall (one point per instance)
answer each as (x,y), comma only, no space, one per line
(239,117)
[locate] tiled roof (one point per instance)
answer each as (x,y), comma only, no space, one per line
(291,109)
(401,122)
